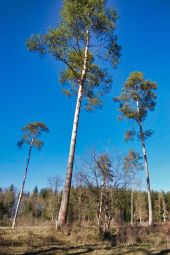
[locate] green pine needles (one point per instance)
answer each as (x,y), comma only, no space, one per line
(66,44)
(136,100)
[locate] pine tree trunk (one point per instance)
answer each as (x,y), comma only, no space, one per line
(132,220)
(62,216)
(140,216)
(147,178)
(23,184)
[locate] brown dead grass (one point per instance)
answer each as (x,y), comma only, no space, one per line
(48,240)
(158,235)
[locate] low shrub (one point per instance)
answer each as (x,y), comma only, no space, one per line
(155,235)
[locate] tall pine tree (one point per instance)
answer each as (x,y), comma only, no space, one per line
(84,35)
(136,100)
(31,133)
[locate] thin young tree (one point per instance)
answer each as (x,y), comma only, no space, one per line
(132,166)
(97,175)
(105,178)
(54,182)
(164,207)
(104,170)
(136,100)
(31,133)
(140,204)
(83,39)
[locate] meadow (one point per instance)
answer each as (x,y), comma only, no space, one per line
(47,240)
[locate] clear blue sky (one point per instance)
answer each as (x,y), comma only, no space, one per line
(30,90)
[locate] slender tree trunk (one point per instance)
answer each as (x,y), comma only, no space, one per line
(100,209)
(164,208)
(23,184)
(140,215)
(146,169)
(62,216)
(131,208)
(79,205)
(147,177)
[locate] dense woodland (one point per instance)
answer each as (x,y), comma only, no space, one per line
(43,205)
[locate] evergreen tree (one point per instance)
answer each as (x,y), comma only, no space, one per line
(9,200)
(164,206)
(157,206)
(31,131)
(84,35)
(55,183)
(167,197)
(136,100)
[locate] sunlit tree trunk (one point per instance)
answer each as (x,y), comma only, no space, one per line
(23,184)
(100,209)
(146,170)
(140,215)
(132,208)
(79,191)
(164,207)
(147,177)
(62,216)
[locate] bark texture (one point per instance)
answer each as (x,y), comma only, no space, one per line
(132,209)
(146,170)
(147,177)
(23,184)
(62,216)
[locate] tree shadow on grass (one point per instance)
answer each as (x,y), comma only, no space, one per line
(145,251)
(53,250)
(163,252)
(75,250)
(87,249)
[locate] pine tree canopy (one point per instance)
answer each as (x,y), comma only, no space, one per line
(137,98)
(33,131)
(82,22)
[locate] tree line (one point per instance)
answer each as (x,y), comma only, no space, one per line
(43,205)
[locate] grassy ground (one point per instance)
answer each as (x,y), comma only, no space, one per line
(48,241)
(86,249)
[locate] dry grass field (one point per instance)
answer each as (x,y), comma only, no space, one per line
(48,241)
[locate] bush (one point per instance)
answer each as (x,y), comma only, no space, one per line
(156,235)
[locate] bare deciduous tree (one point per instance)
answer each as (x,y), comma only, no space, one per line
(55,183)
(132,166)
(104,176)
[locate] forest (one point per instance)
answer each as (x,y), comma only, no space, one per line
(105,203)
(42,205)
